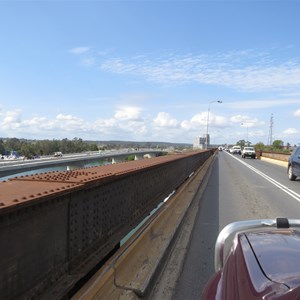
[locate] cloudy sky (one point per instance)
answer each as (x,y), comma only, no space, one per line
(150,70)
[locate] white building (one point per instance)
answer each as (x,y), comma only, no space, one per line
(200,142)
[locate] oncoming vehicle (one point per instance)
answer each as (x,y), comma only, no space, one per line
(257,259)
(248,152)
(294,164)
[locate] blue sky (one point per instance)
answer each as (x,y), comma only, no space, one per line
(150,70)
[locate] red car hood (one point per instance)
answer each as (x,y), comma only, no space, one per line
(278,253)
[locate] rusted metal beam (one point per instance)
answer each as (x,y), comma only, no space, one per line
(55,227)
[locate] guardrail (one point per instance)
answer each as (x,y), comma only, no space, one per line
(55,227)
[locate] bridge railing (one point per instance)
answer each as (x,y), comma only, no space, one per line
(55,227)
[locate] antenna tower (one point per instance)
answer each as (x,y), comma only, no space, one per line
(270,139)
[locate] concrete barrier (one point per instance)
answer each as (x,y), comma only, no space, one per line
(129,274)
(275,161)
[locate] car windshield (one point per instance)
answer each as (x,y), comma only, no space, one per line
(249,148)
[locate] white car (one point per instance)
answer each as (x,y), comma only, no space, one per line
(248,152)
(236,150)
(57,154)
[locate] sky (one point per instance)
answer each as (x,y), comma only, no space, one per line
(150,70)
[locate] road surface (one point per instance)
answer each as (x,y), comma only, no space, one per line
(238,189)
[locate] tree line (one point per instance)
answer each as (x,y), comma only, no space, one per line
(277,146)
(34,148)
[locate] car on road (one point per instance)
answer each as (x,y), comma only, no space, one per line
(248,152)
(294,164)
(257,259)
(57,154)
(236,150)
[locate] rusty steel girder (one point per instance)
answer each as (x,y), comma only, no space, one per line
(56,226)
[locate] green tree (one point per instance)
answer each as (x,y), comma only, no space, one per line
(66,146)
(259,146)
(79,145)
(93,147)
(2,148)
(277,144)
(130,158)
(241,143)
(27,150)
(13,144)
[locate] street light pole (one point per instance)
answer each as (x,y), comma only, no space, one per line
(207,121)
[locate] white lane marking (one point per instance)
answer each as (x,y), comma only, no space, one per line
(273,181)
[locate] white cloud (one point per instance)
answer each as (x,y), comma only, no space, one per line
(238,119)
(218,120)
(79,50)
(290,131)
(66,117)
(130,122)
(256,133)
(88,61)
(200,118)
(11,117)
(297,113)
(246,121)
(105,123)
(260,104)
(186,125)
(164,119)
(242,70)
(36,121)
(128,113)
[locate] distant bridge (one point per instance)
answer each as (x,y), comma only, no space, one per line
(11,167)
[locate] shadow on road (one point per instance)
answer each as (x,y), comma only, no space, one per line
(199,261)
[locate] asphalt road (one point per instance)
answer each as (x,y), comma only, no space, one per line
(238,189)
